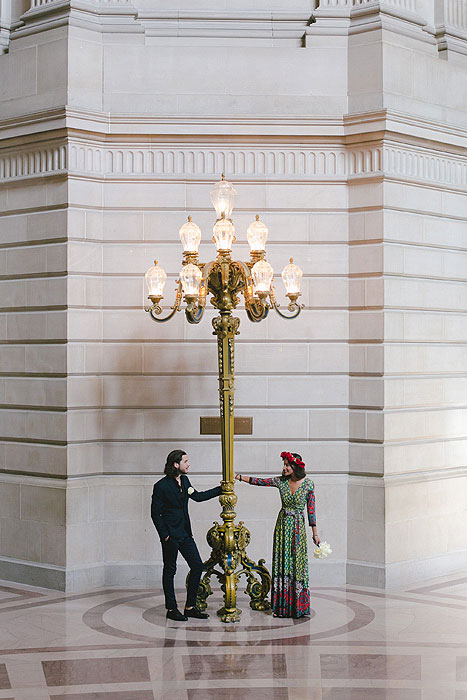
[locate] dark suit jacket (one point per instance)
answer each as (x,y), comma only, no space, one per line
(169,507)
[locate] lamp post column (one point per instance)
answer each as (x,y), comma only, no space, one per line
(226,327)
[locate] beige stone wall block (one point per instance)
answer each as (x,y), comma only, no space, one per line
(9,500)
(85,458)
(84,391)
(404,458)
(306,391)
(354,500)
(186,357)
(13,357)
(77,503)
(455,452)
(134,325)
(367,391)
(327,424)
(366,458)
(84,193)
(366,259)
(366,225)
(36,326)
(408,501)
(438,230)
(31,391)
(366,325)
(45,359)
(367,425)
(312,325)
(123,502)
(455,329)
(447,423)
(130,541)
(18,74)
(20,539)
(365,543)
(84,256)
(13,293)
(35,458)
(84,425)
(328,357)
(45,425)
(426,294)
(364,359)
(53,544)
(46,292)
(85,543)
(448,497)
(84,324)
(124,291)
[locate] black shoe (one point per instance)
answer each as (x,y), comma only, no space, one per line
(194,612)
(176,615)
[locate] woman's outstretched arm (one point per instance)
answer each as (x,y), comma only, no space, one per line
(255,481)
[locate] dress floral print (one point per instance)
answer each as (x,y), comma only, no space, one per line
(290,595)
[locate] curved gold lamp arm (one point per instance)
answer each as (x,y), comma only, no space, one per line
(293,307)
(155,310)
(257,311)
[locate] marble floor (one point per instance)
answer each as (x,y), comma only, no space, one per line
(114,644)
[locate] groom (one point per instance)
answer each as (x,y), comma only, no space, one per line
(169,513)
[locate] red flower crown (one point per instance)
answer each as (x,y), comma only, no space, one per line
(292,460)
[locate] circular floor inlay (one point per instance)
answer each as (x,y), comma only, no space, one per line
(140,617)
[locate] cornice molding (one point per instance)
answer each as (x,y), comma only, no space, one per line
(237,129)
(146,162)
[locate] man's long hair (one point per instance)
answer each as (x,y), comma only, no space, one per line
(173,458)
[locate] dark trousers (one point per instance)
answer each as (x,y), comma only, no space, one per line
(189,552)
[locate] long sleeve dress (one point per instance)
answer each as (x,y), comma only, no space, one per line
(290,595)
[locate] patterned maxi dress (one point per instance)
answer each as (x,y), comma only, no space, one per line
(290,596)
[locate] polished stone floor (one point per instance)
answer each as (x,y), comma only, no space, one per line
(114,644)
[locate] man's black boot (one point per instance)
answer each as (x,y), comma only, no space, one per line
(194,612)
(176,615)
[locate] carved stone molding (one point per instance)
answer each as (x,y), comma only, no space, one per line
(307,163)
(451,27)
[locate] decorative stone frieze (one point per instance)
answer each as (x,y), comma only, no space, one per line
(408,162)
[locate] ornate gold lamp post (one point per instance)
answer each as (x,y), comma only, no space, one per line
(224,279)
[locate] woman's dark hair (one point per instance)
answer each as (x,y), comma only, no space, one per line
(173,458)
(298,472)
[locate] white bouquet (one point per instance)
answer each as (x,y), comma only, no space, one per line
(322,551)
(190,490)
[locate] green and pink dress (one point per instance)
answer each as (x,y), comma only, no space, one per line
(290,595)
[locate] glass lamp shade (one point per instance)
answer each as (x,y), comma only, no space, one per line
(190,236)
(155,279)
(292,278)
(257,234)
(190,277)
(262,273)
(223,197)
(223,234)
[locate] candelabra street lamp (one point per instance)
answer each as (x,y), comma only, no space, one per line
(224,279)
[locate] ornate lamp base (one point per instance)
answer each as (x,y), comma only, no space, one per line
(229,561)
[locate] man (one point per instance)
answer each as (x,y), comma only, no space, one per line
(169,513)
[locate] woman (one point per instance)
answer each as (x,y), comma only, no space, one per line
(290,596)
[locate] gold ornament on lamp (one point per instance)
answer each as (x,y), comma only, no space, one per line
(224,279)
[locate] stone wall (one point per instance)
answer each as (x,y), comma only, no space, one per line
(347,136)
